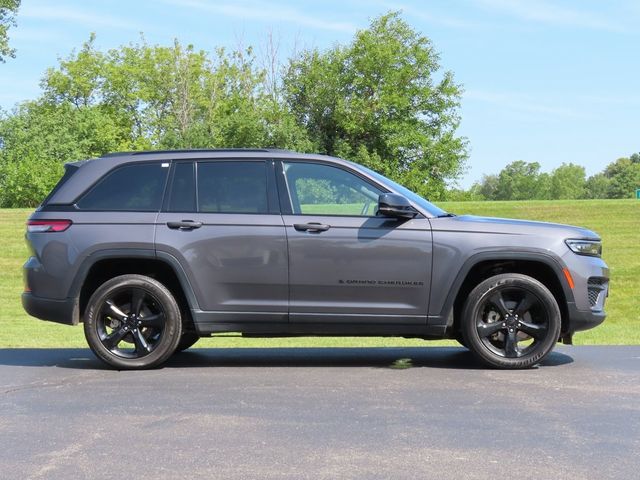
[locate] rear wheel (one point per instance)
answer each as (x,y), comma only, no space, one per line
(132,322)
(511,321)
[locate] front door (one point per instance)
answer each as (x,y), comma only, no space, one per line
(346,264)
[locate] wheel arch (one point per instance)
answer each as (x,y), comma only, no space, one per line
(100,267)
(543,267)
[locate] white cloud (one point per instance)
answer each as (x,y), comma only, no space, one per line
(266,11)
(527,104)
(37,35)
(542,11)
(431,17)
(612,100)
(74,15)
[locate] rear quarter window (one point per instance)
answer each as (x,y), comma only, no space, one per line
(132,187)
(69,170)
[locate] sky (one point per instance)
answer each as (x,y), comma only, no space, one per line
(544,81)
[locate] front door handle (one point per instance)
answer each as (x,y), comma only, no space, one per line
(184,225)
(312,227)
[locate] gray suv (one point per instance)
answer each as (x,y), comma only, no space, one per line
(153,250)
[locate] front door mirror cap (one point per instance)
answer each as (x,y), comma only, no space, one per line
(395,205)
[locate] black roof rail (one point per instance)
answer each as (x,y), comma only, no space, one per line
(115,154)
(198,150)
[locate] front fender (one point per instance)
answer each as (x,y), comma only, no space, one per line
(441,313)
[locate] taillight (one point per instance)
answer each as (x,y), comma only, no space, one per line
(35,226)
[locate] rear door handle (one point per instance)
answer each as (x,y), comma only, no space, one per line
(312,227)
(184,225)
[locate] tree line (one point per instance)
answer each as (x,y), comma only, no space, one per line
(381,100)
(524,181)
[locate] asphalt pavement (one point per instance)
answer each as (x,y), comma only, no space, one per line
(370,413)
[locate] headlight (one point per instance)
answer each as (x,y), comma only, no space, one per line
(585,247)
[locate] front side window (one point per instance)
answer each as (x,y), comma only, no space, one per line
(232,187)
(136,187)
(319,189)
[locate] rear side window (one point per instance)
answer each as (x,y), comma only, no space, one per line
(232,187)
(132,187)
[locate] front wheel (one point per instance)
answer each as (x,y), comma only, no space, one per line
(511,321)
(132,322)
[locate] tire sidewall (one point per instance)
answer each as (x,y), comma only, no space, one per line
(172,329)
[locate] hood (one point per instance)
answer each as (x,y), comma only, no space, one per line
(513,226)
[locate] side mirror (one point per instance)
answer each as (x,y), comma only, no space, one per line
(394,205)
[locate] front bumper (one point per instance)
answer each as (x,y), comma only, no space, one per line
(582,319)
(60,311)
(586,302)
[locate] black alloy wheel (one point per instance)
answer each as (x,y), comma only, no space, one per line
(511,321)
(132,321)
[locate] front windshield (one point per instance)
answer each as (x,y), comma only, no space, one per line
(414,197)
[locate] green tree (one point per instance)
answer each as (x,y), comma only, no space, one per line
(383,102)
(521,181)
(8,10)
(624,176)
(568,182)
(461,195)
(487,187)
(597,186)
(39,137)
(177,97)
(139,96)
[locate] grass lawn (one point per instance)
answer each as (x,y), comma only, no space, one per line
(617,221)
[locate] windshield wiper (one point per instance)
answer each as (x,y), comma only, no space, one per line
(446,215)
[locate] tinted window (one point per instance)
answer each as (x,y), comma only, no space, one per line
(325,190)
(232,187)
(183,189)
(414,197)
(133,187)
(69,170)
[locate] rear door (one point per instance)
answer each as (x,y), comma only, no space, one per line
(346,264)
(221,221)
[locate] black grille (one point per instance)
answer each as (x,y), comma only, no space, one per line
(596,288)
(593,296)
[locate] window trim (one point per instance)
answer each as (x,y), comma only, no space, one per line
(107,174)
(286,202)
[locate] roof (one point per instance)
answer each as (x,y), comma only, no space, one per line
(198,150)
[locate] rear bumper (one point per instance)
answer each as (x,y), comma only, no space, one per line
(59,311)
(583,320)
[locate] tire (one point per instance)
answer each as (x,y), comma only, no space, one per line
(187,340)
(511,321)
(132,322)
